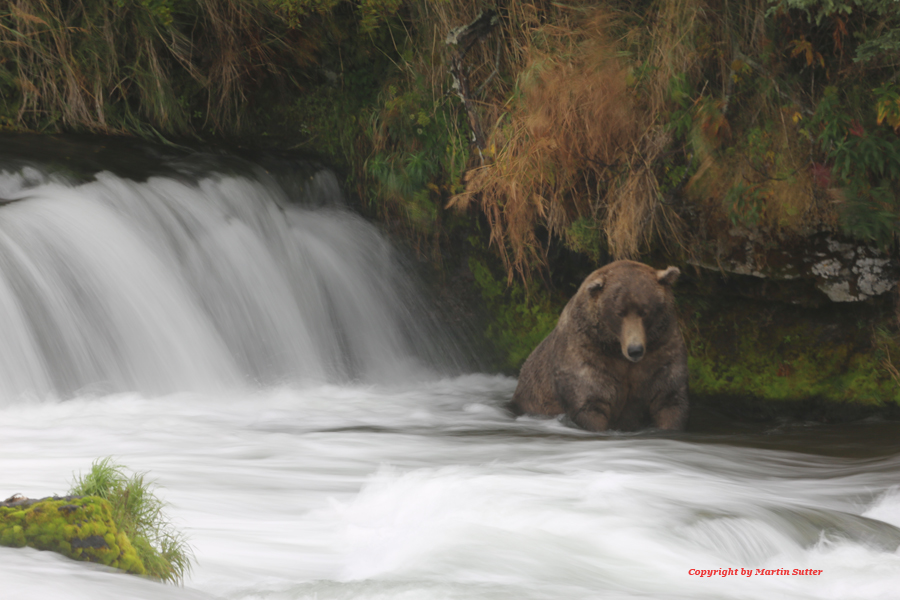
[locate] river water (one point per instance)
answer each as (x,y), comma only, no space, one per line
(270,364)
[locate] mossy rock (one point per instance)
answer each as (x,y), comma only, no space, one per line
(778,354)
(79,528)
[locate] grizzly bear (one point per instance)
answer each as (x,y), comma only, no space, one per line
(616,358)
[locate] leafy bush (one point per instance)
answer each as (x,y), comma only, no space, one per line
(417,153)
(864,160)
(877,22)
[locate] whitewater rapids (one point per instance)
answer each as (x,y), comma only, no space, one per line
(270,365)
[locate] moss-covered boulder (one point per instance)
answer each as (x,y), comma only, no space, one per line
(79,528)
(833,362)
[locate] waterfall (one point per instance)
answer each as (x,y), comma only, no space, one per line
(199,283)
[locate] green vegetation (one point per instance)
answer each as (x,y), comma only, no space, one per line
(153,67)
(80,528)
(616,128)
(519,320)
(604,130)
(787,353)
(161,549)
(107,517)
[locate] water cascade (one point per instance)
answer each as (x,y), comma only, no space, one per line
(176,284)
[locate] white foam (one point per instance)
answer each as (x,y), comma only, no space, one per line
(405,491)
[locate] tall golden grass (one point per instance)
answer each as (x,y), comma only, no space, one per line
(574,141)
(583,133)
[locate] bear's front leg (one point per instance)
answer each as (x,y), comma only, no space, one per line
(591,418)
(584,400)
(672,413)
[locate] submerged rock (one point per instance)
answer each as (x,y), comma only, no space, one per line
(76,527)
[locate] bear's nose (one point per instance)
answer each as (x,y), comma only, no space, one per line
(635,352)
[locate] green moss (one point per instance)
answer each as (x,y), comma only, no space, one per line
(741,348)
(79,528)
(108,518)
(519,320)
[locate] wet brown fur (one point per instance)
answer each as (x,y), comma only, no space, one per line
(582,367)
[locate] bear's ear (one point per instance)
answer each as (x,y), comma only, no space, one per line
(596,287)
(668,276)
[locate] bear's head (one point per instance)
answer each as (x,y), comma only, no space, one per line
(630,303)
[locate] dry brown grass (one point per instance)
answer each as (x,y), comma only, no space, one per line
(582,135)
(573,141)
(106,66)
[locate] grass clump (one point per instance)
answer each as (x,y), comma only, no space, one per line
(565,147)
(153,67)
(139,514)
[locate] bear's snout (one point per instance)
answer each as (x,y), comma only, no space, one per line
(635,352)
(633,339)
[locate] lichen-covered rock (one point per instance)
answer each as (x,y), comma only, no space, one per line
(844,271)
(79,528)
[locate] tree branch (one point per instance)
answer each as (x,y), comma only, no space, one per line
(463,37)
